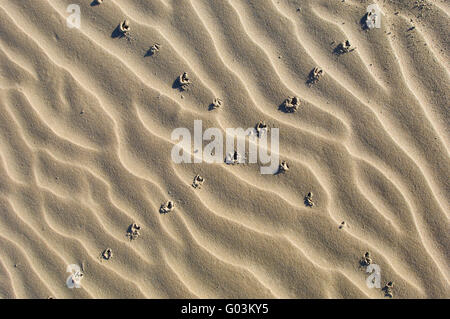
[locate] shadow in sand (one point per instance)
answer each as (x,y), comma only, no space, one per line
(363,263)
(117,33)
(312,77)
(307,202)
(339,50)
(278,172)
(282,107)
(177,84)
(363,20)
(148,53)
(95,3)
(130,228)
(388,289)
(343,48)
(283,167)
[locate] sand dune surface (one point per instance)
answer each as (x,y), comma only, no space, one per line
(86,167)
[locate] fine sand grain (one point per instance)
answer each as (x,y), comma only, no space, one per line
(87,179)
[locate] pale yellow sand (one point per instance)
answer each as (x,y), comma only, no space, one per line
(85,124)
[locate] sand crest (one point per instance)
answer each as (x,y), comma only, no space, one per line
(88,180)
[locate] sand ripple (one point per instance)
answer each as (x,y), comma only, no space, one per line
(85,124)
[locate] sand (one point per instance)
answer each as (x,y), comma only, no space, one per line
(85,149)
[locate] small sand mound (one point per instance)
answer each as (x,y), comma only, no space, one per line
(167,207)
(342,225)
(284,167)
(291,104)
(183,81)
(366,260)
(124,26)
(308,200)
(198,181)
(133,231)
(154,48)
(217,102)
(107,254)
(261,128)
(388,289)
(344,47)
(315,75)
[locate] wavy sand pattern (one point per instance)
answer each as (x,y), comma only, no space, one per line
(85,125)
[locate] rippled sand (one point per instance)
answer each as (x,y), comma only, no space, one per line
(85,149)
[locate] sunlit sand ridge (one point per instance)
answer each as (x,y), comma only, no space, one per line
(87,178)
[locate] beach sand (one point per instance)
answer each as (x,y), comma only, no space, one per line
(86,174)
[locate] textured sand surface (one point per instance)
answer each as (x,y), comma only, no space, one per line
(85,140)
